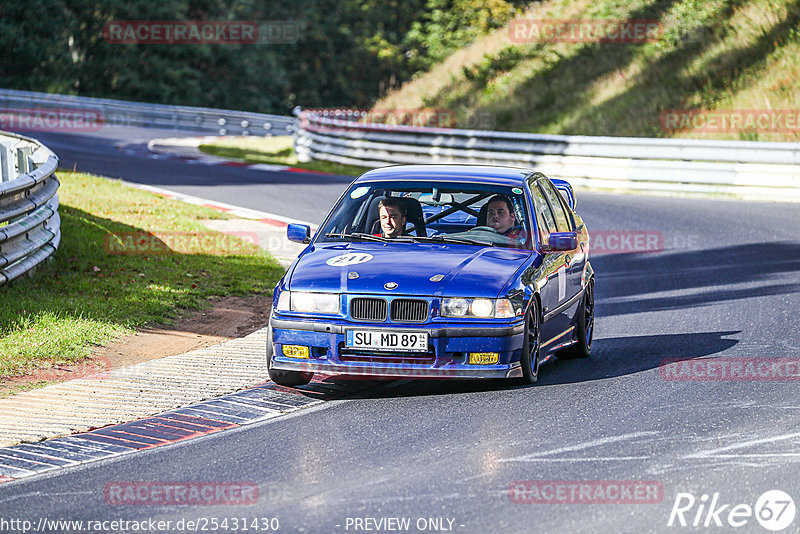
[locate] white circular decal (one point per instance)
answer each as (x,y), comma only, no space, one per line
(354,258)
(359,192)
(775,510)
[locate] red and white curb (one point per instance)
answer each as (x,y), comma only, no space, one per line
(150,387)
(239,211)
(256,404)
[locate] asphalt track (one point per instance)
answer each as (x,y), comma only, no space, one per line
(121,152)
(725,284)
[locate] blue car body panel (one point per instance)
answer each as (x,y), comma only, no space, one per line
(424,271)
(468,271)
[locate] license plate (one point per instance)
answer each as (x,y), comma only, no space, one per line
(383,340)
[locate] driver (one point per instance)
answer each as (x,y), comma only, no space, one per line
(392,216)
(500,216)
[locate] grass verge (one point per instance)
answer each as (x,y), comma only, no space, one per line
(276,150)
(709,56)
(127,257)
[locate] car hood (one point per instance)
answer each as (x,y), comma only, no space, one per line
(465,270)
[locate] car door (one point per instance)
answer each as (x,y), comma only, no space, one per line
(577,259)
(573,260)
(553,291)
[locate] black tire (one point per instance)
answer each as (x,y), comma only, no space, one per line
(584,328)
(280,376)
(532,344)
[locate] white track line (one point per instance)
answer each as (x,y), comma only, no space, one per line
(536,456)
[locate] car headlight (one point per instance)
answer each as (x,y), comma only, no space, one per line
(283,301)
(481,308)
(455,307)
(305,301)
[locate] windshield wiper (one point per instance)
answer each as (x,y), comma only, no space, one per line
(410,239)
(361,236)
(459,240)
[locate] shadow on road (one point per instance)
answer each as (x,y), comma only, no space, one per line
(626,283)
(611,357)
(620,356)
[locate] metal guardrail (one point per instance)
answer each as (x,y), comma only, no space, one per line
(745,169)
(26,108)
(30,228)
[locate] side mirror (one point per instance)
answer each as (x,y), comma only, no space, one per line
(299,233)
(562,241)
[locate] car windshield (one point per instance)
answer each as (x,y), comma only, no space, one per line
(435,212)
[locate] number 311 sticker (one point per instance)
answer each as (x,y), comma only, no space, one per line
(354,258)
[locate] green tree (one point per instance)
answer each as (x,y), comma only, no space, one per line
(349,53)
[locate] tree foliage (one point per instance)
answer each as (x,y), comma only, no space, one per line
(349,52)
(447,25)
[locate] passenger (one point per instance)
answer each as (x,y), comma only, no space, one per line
(392,216)
(500,216)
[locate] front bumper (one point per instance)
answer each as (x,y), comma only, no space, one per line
(448,344)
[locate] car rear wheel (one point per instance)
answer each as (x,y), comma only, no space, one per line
(584,329)
(531,345)
(280,376)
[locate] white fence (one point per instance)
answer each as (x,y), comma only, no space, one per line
(744,169)
(28,106)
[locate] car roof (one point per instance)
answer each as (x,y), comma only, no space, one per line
(482,174)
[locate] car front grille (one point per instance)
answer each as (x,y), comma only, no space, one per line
(366,356)
(368,309)
(409,310)
(402,310)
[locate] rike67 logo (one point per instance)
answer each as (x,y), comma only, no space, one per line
(774,510)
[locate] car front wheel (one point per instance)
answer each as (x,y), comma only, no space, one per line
(280,376)
(531,345)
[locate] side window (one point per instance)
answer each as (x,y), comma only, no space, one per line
(563,223)
(567,210)
(544,216)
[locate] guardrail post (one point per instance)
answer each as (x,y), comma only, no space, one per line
(6,173)
(23,160)
(300,136)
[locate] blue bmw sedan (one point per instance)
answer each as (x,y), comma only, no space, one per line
(443,271)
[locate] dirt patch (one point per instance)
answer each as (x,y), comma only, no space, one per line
(228,318)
